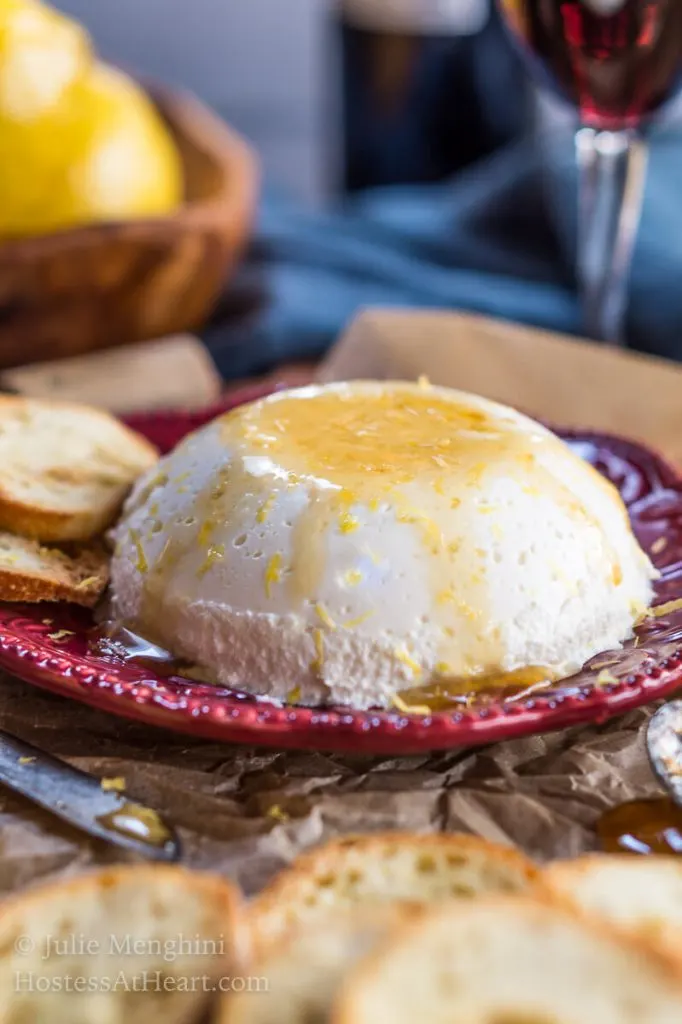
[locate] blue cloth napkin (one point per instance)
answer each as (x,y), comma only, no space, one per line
(496,238)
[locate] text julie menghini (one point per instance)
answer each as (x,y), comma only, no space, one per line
(49,947)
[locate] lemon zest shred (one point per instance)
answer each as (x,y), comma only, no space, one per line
(215,553)
(61,634)
(324,616)
(273,573)
(318,640)
(265,509)
(205,532)
(358,621)
(87,582)
(348,523)
(664,609)
(409,709)
(403,656)
(141,565)
(277,813)
(116,784)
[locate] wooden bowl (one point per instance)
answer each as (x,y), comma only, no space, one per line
(112,283)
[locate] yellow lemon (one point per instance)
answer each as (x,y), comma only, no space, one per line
(123,161)
(103,153)
(42,54)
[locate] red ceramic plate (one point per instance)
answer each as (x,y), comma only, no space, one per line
(34,648)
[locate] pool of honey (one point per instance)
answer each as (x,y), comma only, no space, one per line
(642,827)
(136,822)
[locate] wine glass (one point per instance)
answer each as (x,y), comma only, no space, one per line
(617,61)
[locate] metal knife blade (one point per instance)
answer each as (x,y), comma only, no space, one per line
(79,799)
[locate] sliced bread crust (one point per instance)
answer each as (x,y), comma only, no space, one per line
(510,959)
(641,896)
(31,572)
(66,468)
(298,980)
(381,867)
(142,937)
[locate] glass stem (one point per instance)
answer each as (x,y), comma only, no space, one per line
(612,173)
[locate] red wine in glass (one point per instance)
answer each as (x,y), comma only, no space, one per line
(616,60)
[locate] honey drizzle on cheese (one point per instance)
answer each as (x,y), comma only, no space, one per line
(377,450)
(445,692)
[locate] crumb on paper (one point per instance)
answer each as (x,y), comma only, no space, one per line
(116,784)
(606,678)
(47,622)
(27,760)
(61,634)
(277,813)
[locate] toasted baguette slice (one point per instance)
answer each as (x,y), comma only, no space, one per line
(510,959)
(639,895)
(30,572)
(397,867)
(66,468)
(298,980)
(109,928)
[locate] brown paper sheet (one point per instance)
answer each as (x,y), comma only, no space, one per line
(543,794)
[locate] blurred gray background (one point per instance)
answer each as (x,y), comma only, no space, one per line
(266,65)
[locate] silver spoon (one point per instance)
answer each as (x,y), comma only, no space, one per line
(80,800)
(664,746)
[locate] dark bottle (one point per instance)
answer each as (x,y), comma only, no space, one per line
(417,103)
